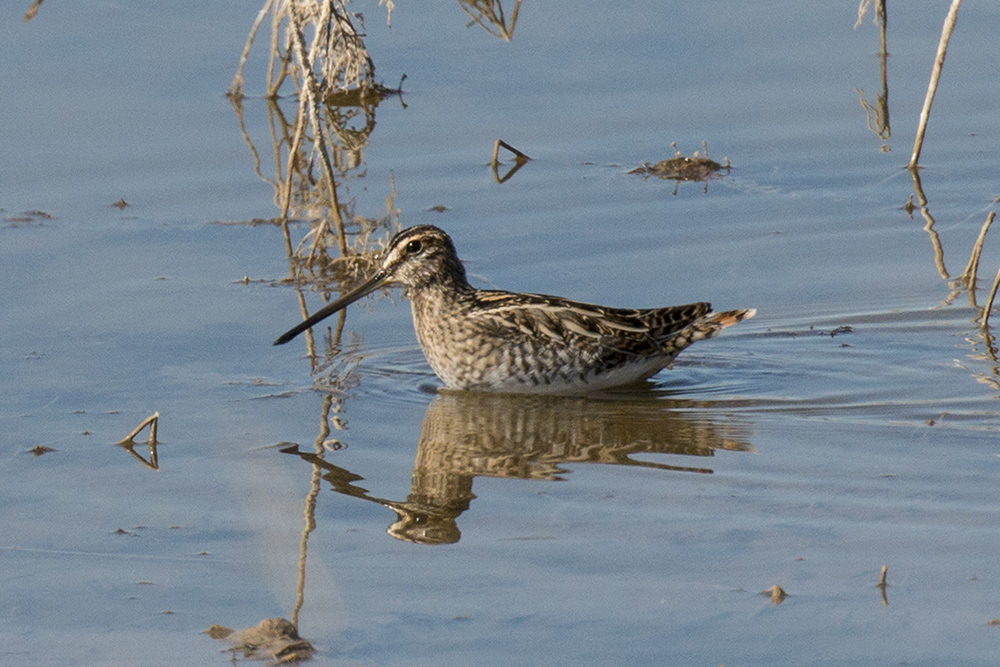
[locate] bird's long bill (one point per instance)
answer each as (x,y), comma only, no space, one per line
(367,287)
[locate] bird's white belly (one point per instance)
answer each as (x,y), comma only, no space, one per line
(497,380)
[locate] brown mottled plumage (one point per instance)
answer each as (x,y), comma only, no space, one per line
(492,340)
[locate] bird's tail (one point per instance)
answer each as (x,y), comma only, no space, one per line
(708,326)
(718,321)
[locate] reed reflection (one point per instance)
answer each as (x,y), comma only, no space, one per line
(984,352)
(338,245)
(877,112)
(467,435)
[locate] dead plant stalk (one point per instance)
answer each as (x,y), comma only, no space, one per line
(946,30)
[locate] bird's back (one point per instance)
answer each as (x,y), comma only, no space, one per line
(507,341)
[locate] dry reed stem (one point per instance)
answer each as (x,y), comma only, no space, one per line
(310,105)
(946,30)
(862,10)
(274,83)
(236,87)
(337,51)
(972,268)
(484,11)
(389,6)
(989,302)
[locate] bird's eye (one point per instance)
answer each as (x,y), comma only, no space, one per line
(413,247)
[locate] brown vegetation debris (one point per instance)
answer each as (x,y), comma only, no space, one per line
(697,167)
(776,593)
(273,639)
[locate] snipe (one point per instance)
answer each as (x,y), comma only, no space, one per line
(490,340)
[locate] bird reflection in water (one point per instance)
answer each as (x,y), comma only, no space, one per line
(467,435)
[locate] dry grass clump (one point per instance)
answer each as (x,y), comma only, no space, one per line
(336,58)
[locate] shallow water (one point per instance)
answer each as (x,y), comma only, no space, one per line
(852,424)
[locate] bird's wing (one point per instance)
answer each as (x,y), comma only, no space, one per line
(561,319)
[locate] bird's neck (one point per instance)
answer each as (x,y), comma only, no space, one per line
(447,279)
(447,291)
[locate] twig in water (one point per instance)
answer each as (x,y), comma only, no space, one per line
(519,157)
(128,444)
(776,593)
(148,421)
(949,25)
(882,585)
